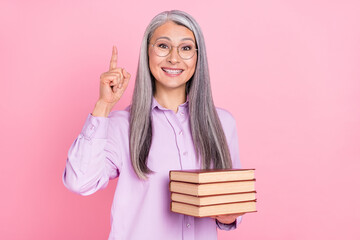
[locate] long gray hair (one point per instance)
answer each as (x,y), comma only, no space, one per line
(206,130)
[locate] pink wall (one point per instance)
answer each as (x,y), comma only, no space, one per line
(288,71)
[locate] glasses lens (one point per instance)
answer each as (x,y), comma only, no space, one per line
(162,48)
(187,50)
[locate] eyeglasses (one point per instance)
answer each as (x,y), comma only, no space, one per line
(163,48)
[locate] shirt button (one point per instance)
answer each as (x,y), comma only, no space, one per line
(181,133)
(185,153)
(188,225)
(92,127)
(182,113)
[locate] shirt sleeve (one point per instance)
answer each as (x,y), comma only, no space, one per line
(91,160)
(228,227)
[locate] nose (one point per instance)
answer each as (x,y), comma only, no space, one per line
(173,56)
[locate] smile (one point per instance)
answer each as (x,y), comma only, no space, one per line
(172,71)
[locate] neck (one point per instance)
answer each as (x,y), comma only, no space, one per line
(170,99)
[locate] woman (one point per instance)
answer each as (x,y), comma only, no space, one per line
(172,124)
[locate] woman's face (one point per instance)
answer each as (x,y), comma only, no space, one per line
(171,71)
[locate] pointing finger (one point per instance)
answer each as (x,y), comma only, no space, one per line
(113,61)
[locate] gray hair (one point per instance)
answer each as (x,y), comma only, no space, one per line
(206,130)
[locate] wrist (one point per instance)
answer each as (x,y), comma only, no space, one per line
(102,109)
(230,223)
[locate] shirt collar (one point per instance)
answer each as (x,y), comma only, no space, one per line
(155,104)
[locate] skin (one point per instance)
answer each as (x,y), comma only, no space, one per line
(170,88)
(113,83)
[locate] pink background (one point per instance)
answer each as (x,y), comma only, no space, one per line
(287,70)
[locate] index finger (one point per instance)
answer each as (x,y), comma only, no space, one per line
(113,61)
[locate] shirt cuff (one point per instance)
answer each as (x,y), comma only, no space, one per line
(228,227)
(95,127)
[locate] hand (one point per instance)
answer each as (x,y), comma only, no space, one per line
(114,82)
(112,86)
(227,219)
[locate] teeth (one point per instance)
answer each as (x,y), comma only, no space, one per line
(171,71)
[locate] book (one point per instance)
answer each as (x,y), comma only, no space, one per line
(211,200)
(208,176)
(213,210)
(205,189)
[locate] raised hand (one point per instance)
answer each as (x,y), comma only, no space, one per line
(112,86)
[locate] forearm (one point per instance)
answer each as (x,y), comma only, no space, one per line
(102,109)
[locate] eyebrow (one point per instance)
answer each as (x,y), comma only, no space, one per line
(171,41)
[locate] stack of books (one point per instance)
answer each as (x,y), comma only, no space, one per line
(205,193)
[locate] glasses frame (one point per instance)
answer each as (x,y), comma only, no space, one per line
(171,48)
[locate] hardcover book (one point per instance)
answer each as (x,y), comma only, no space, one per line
(211,200)
(213,210)
(209,176)
(206,189)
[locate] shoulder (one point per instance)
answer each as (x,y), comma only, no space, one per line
(119,119)
(226,118)
(123,114)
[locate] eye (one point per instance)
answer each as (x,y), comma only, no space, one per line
(162,45)
(186,48)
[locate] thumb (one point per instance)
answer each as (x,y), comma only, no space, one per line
(126,74)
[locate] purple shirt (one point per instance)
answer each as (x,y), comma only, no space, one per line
(141,209)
